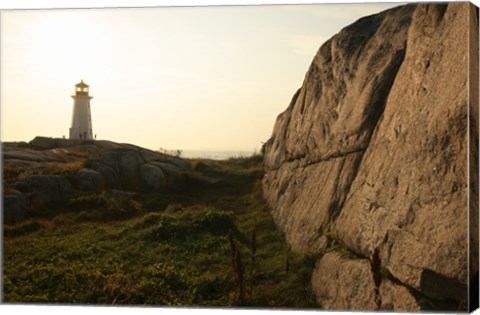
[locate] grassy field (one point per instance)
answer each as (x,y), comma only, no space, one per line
(212,244)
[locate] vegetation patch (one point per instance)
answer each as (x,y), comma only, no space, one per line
(160,249)
(335,245)
(103,206)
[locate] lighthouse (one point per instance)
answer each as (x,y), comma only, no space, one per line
(81,118)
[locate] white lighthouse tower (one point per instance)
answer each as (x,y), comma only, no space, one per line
(82,118)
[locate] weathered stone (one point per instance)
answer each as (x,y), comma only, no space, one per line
(120,165)
(23,154)
(42,143)
(329,122)
(49,188)
(181,164)
(15,207)
(129,163)
(397,298)
(373,148)
(153,177)
(174,175)
(148,155)
(342,283)
(107,145)
(90,180)
(410,193)
(107,171)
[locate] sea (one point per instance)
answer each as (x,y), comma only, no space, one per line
(215,155)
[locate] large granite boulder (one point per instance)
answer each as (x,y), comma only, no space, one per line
(174,174)
(373,149)
(90,180)
(15,206)
(46,188)
(153,177)
(132,167)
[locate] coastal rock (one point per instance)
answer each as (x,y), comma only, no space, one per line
(183,165)
(45,143)
(153,177)
(39,156)
(373,149)
(48,188)
(409,195)
(129,166)
(15,206)
(322,135)
(108,172)
(42,143)
(46,171)
(95,164)
(129,163)
(174,174)
(90,180)
(343,283)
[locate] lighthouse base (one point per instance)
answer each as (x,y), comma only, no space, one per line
(76,134)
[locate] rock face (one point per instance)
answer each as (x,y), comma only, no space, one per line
(373,150)
(358,290)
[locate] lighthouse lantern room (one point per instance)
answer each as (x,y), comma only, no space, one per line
(81,127)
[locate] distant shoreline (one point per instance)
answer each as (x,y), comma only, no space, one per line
(215,155)
(46,142)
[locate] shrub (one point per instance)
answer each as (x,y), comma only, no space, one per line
(11,172)
(173,208)
(104,207)
(22,228)
(68,169)
(169,226)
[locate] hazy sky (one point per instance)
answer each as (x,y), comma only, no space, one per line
(190,78)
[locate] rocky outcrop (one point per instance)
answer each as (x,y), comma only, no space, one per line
(373,150)
(45,143)
(47,170)
(133,167)
(48,188)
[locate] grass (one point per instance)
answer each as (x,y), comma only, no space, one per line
(160,248)
(68,169)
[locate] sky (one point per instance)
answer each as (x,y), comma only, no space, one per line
(187,78)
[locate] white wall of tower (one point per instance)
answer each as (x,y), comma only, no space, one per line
(81,127)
